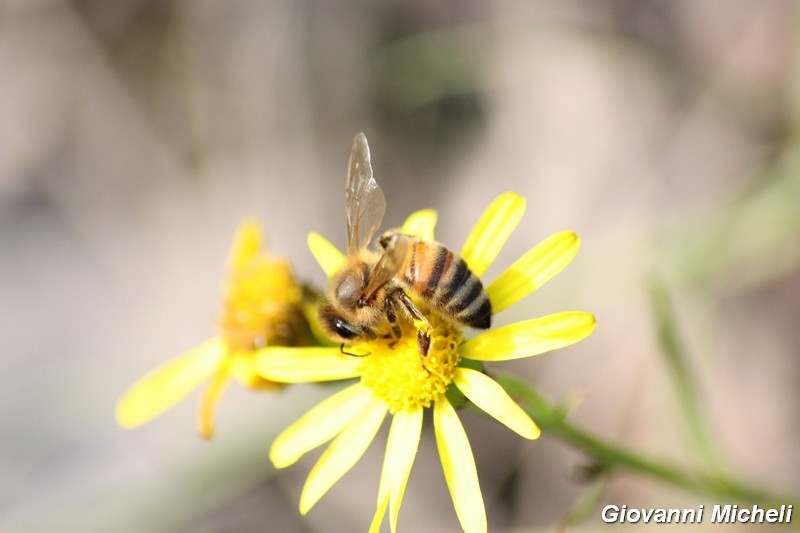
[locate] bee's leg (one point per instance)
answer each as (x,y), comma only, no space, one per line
(420,321)
(391,316)
(424,327)
(423,343)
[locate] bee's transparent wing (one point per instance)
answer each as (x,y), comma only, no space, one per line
(389,264)
(364,200)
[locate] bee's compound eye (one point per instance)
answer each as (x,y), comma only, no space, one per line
(348,288)
(343,329)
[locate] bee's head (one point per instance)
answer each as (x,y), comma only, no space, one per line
(335,325)
(343,313)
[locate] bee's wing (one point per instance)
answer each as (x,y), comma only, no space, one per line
(364,200)
(388,265)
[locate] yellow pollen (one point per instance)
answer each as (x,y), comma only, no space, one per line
(396,373)
(260,305)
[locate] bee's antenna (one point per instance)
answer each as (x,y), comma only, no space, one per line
(341,349)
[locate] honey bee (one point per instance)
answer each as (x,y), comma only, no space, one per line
(368,294)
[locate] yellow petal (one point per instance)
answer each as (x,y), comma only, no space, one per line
(242,367)
(319,425)
(209,400)
(459,467)
(345,450)
(421,224)
(492,231)
(533,269)
(401,449)
(310,306)
(327,255)
(303,365)
(530,337)
(168,384)
(383,503)
(487,394)
(246,243)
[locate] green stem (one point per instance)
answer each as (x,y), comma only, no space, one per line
(677,358)
(611,458)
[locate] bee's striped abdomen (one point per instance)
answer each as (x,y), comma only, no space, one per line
(444,280)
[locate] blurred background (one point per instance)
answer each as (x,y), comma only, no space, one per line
(136,134)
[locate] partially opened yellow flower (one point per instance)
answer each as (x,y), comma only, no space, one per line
(260,307)
(393,379)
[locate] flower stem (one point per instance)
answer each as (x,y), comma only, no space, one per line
(677,359)
(611,458)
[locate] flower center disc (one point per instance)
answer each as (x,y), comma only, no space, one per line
(396,373)
(260,305)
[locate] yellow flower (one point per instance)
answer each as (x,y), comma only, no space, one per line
(393,379)
(260,307)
